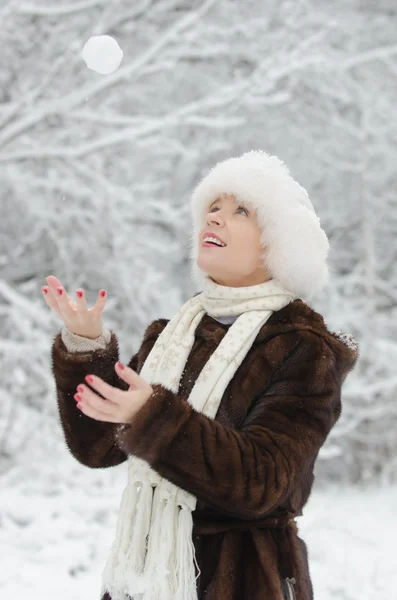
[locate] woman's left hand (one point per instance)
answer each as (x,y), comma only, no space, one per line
(116,406)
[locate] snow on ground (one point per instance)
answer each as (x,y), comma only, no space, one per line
(351,537)
(58,518)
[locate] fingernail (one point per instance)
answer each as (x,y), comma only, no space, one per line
(60,291)
(77,397)
(80,388)
(103,293)
(79,293)
(120,365)
(89,378)
(44,290)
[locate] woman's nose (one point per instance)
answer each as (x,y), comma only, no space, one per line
(211,220)
(214,217)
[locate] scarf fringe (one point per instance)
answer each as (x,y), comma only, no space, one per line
(153,568)
(185,554)
(135,560)
(124,531)
(126,563)
(161,548)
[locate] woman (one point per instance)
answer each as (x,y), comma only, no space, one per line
(234,398)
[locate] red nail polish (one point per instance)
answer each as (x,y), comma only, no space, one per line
(120,365)
(45,290)
(80,388)
(77,397)
(79,294)
(89,378)
(103,293)
(60,291)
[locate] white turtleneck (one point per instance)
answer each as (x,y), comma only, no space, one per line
(226,320)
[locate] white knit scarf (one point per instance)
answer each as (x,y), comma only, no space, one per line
(152,555)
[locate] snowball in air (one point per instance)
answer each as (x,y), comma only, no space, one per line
(102,54)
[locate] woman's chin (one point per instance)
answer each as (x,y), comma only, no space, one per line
(208,266)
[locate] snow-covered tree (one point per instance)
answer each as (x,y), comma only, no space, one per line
(96,174)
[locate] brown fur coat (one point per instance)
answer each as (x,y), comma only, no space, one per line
(251,468)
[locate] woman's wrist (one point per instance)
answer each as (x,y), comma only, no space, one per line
(78,343)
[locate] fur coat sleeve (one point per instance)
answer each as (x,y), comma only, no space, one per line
(249,472)
(91,442)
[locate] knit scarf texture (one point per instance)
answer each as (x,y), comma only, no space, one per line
(152,556)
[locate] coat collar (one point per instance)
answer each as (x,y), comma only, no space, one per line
(295,315)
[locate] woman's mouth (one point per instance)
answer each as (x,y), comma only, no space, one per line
(211,245)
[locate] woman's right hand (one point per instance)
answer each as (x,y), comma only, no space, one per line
(79,319)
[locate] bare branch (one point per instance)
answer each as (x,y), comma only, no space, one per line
(51,11)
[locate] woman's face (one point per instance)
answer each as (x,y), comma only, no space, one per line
(238,263)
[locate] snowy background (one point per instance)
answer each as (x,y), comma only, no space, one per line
(95,177)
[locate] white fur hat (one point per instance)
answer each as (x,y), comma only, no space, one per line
(297,247)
